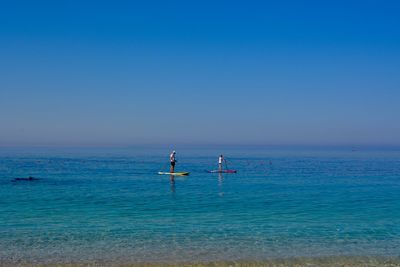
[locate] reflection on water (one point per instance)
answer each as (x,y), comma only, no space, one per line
(220,179)
(172,183)
(220,182)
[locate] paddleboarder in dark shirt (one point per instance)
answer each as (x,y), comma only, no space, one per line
(172,160)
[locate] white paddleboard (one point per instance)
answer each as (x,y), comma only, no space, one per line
(175,173)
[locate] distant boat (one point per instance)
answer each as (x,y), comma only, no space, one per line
(30,178)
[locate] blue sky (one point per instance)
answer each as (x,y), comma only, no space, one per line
(104,73)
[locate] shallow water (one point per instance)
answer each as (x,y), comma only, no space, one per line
(110,205)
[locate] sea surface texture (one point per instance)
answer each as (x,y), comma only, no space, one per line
(110,205)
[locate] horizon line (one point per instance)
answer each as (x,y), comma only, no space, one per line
(196,145)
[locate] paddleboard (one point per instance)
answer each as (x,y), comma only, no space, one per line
(175,173)
(223,171)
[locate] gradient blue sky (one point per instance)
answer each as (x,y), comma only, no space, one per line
(199,72)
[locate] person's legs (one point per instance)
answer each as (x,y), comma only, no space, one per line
(220,167)
(172,167)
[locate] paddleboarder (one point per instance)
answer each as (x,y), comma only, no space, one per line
(172,160)
(220,160)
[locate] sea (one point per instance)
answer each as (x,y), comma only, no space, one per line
(110,205)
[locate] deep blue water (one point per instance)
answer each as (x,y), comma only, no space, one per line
(110,205)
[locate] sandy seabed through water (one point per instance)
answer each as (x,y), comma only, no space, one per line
(290,262)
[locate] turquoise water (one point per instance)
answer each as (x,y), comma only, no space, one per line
(110,205)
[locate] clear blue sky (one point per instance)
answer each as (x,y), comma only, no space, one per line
(199,72)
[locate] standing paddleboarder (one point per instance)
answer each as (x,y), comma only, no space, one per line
(172,159)
(220,160)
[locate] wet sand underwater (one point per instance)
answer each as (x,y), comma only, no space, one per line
(286,262)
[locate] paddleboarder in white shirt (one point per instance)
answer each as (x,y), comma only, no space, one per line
(220,160)
(172,159)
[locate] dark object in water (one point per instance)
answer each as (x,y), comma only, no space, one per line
(30,178)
